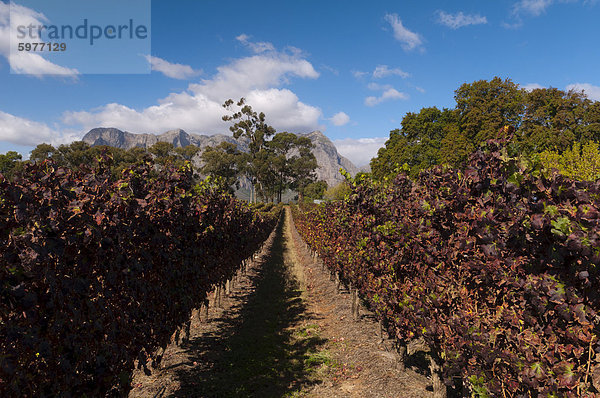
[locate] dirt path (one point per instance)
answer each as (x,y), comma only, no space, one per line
(283,332)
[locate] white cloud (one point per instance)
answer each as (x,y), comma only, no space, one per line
(530,86)
(285,111)
(384,71)
(536,8)
(331,69)
(531,7)
(410,40)
(358,74)
(377,86)
(20,131)
(340,119)
(455,21)
(255,72)
(420,89)
(23,61)
(592,92)
(174,71)
(389,94)
(259,47)
(361,150)
(198,109)
(515,25)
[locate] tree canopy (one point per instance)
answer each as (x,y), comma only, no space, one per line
(543,119)
(276,161)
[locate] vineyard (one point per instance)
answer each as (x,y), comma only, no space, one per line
(98,273)
(494,269)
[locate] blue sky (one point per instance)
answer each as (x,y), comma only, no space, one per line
(351,69)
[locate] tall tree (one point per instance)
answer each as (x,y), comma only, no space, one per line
(223,162)
(315,190)
(163,152)
(253,126)
(418,144)
(553,119)
(187,152)
(281,145)
(9,162)
(74,154)
(42,152)
(486,106)
(303,166)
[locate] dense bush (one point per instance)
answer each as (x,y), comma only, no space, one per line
(581,162)
(97,273)
(495,267)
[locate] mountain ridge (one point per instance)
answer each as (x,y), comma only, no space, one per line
(328,158)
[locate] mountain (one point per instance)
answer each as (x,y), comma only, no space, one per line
(328,158)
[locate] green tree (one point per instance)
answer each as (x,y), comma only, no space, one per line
(222,162)
(302,166)
(590,129)
(9,162)
(253,126)
(418,145)
(292,161)
(391,157)
(187,152)
(455,147)
(578,162)
(164,153)
(73,155)
(315,190)
(281,145)
(337,192)
(42,152)
(486,106)
(554,119)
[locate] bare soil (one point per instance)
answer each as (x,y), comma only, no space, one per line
(284,331)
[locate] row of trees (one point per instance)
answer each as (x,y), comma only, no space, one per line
(79,153)
(545,119)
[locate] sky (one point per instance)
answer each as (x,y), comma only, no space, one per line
(351,69)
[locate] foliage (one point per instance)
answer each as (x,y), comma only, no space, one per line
(79,154)
(338,192)
(42,152)
(224,161)
(315,190)
(98,272)
(486,106)
(543,119)
(579,162)
(496,267)
(285,161)
(8,162)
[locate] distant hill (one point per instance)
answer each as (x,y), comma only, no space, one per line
(328,158)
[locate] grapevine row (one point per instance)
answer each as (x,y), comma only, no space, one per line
(495,268)
(96,273)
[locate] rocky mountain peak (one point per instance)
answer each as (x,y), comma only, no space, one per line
(328,158)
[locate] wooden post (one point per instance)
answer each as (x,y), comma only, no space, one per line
(439,388)
(353,295)
(220,294)
(357,308)
(401,348)
(188,325)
